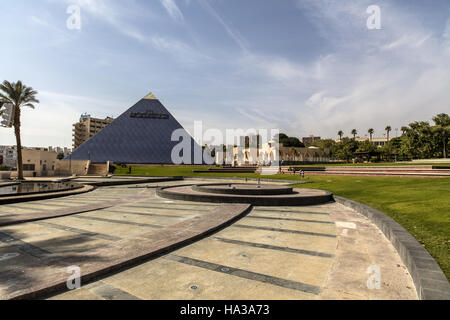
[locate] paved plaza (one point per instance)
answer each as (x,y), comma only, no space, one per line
(115,234)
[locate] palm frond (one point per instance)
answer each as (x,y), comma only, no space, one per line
(5,99)
(18,94)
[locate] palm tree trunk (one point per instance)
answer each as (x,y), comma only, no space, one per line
(18,144)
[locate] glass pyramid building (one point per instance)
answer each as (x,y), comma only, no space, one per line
(141,135)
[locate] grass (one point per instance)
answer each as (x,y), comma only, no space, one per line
(420,205)
(373,164)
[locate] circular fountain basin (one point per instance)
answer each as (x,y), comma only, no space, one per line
(243,189)
(259,195)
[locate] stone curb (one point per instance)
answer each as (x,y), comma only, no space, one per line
(45,195)
(130,181)
(248,179)
(8,184)
(430,281)
(131,252)
(327,197)
(271,191)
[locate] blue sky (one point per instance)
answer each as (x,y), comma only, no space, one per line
(303,66)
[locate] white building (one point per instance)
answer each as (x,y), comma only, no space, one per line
(271,152)
(8,155)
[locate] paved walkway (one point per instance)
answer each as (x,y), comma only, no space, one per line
(275,253)
(318,252)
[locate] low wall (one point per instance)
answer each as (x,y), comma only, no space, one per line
(70,167)
(30,174)
(5,175)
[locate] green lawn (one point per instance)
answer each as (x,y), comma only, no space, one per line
(421,205)
(374,164)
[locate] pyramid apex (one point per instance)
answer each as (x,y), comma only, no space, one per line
(150,96)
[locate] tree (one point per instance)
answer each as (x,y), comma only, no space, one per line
(420,141)
(282,136)
(290,141)
(442,130)
(371,131)
(354,133)
(60,156)
(366,146)
(328,146)
(388,129)
(346,149)
(19,95)
(442,119)
(340,134)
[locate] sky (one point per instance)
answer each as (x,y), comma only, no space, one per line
(305,67)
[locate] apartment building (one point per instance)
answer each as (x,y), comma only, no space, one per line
(87,127)
(66,151)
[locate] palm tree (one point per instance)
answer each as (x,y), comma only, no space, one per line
(388,129)
(404,129)
(354,133)
(371,131)
(340,134)
(19,96)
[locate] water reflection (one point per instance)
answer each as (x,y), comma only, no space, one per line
(30,187)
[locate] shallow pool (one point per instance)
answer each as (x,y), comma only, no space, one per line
(36,187)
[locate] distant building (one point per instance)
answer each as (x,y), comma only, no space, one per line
(266,154)
(88,127)
(38,162)
(310,139)
(9,156)
(66,151)
(31,158)
(379,142)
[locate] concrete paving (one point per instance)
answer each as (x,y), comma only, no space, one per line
(313,252)
(273,253)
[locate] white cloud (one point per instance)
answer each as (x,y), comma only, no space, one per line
(173,10)
(372,78)
(178,49)
(112,14)
(53,117)
(446,37)
(409,40)
(232,32)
